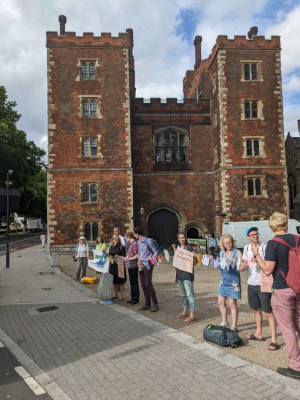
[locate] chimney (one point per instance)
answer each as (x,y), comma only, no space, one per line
(253,32)
(197,44)
(130,33)
(62,21)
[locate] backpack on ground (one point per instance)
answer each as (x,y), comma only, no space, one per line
(293,276)
(222,336)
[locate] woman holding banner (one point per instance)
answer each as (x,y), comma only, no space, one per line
(230,285)
(116,249)
(185,281)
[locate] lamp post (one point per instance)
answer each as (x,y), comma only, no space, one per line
(9,172)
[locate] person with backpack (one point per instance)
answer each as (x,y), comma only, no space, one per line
(185,281)
(147,255)
(282,259)
(258,301)
(81,255)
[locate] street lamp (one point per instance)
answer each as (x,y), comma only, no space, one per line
(9,172)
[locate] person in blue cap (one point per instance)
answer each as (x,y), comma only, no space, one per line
(258,301)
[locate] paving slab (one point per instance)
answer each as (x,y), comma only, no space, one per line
(84,350)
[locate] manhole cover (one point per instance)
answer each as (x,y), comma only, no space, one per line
(46,309)
(46,273)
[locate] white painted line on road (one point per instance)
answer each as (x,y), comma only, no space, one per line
(32,383)
(1,344)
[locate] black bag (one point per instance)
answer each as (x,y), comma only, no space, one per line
(222,336)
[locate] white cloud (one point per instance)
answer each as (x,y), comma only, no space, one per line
(161,55)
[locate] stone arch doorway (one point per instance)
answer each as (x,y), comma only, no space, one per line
(192,233)
(163,227)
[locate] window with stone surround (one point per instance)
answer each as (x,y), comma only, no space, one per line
(252,109)
(89,107)
(251,70)
(91,230)
(89,192)
(88,70)
(255,186)
(89,147)
(253,146)
(170,145)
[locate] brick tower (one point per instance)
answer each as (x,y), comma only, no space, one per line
(90,82)
(242,77)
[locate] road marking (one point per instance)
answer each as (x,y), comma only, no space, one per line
(1,344)
(32,383)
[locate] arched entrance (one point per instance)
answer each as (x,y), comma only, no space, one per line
(192,233)
(163,227)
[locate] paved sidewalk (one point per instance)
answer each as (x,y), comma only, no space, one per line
(84,350)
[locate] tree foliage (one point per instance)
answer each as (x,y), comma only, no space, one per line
(24,158)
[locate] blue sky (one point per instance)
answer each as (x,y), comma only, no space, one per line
(164,32)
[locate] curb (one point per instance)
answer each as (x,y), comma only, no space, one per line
(53,390)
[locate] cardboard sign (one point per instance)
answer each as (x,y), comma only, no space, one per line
(121,273)
(183,259)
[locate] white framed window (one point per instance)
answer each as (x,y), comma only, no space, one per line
(89,193)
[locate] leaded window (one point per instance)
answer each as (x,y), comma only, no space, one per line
(170,146)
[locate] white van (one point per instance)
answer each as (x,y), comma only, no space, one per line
(238,230)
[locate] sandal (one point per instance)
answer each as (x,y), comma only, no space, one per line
(181,315)
(275,346)
(189,319)
(253,337)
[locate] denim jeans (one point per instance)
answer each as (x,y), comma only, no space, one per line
(188,297)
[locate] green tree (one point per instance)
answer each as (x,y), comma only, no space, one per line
(24,157)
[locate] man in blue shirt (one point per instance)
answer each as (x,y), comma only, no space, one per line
(147,252)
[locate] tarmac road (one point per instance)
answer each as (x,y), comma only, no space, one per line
(12,385)
(18,241)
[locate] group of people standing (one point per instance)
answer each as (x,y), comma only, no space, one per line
(281,303)
(138,254)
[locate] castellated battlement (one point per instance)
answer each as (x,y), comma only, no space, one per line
(256,42)
(89,39)
(168,101)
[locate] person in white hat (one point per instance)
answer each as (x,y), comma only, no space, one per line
(81,255)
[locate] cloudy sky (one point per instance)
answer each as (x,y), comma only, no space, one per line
(164,31)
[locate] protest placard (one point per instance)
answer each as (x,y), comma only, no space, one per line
(121,273)
(183,259)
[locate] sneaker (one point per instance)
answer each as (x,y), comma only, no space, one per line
(233,328)
(129,302)
(145,307)
(134,302)
(154,308)
(291,373)
(224,324)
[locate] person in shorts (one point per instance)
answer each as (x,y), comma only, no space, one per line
(258,301)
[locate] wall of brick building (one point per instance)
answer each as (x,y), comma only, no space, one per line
(111,169)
